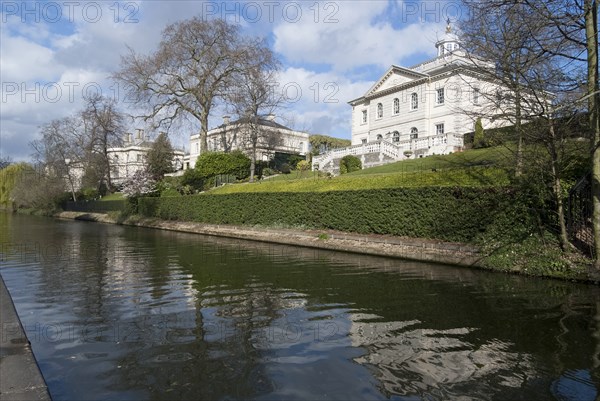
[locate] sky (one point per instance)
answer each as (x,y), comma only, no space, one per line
(52,53)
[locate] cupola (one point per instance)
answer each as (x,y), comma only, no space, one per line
(448,43)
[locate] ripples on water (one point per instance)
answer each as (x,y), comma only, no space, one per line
(128,313)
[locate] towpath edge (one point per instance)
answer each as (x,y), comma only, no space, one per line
(381,245)
(20,376)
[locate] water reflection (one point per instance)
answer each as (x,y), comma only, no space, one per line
(129,313)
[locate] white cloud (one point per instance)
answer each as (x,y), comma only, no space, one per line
(25,60)
(318,101)
(329,61)
(358,37)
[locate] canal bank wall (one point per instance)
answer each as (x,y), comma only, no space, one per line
(379,245)
(20,376)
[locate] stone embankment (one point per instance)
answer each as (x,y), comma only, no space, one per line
(381,245)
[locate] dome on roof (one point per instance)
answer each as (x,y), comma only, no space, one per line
(449,42)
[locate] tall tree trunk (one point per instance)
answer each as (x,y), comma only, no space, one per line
(107,166)
(596,334)
(519,129)
(254,143)
(253,162)
(72,185)
(557,188)
(591,30)
(203,132)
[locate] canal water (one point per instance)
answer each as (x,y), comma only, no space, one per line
(123,313)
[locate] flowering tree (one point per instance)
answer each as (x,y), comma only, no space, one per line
(140,183)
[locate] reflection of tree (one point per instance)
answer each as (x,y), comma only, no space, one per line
(183,316)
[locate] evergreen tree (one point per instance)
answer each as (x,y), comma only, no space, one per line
(479,139)
(160,157)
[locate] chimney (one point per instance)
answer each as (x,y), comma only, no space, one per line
(226,120)
(271,117)
(139,134)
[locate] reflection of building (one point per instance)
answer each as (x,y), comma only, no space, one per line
(235,135)
(412,360)
(131,157)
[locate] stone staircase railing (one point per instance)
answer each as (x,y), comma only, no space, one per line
(394,151)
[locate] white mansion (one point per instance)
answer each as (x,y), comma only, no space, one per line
(127,159)
(234,135)
(414,112)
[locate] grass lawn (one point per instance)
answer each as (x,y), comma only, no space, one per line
(496,156)
(473,168)
(472,177)
(294,175)
(111,197)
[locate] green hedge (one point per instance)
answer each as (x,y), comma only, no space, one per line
(451,214)
(96,206)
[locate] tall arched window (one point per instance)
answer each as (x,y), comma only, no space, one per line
(396,136)
(414,133)
(414,101)
(396,106)
(379,110)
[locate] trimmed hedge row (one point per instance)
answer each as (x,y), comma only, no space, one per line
(96,206)
(450,214)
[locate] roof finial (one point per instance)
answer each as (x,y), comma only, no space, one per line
(448,27)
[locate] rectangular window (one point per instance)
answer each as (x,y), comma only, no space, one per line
(414,101)
(439,129)
(439,99)
(139,158)
(476,96)
(364,116)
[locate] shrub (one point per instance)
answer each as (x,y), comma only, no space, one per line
(479,136)
(211,164)
(449,213)
(38,191)
(192,179)
(303,166)
(169,192)
(285,168)
(89,194)
(280,158)
(349,164)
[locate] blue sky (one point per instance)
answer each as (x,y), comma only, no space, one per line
(53,52)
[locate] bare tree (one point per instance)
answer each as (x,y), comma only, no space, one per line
(501,51)
(61,151)
(5,161)
(574,27)
(253,98)
(189,72)
(539,67)
(103,124)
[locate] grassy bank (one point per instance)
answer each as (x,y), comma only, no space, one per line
(465,197)
(468,177)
